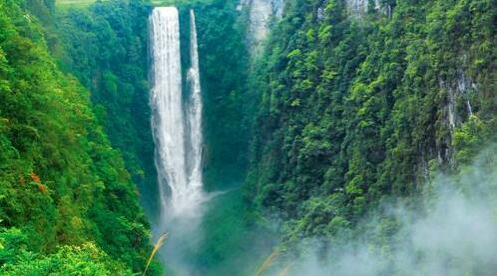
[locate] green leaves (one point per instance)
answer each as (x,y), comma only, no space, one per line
(363,106)
(295,54)
(86,259)
(62,186)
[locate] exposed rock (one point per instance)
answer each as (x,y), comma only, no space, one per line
(360,7)
(458,90)
(261,14)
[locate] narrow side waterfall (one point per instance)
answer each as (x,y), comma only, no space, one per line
(194,112)
(176,119)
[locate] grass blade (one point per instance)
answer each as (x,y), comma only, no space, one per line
(157,246)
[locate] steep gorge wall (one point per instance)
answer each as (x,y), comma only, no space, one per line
(67,199)
(106,46)
(354,110)
(262,15)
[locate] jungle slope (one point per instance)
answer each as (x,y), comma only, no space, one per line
(67,202)
(359,106)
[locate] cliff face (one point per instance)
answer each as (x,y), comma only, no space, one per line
(361,6)
(359,105)
(261,14)
(264,14)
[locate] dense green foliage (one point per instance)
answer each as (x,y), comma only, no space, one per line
(234,243)
(349,111)
(356,108)
(224,72)
(105,47)
(67,203)
(84,259)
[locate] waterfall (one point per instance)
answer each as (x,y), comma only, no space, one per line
(195,110)
(176,120)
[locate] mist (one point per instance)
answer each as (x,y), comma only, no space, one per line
(451,229)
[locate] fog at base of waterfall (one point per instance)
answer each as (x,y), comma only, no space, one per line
(177,129)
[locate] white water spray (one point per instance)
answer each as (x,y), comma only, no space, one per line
(195,110)
(176,120)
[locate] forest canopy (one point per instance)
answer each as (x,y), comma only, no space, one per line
(67,201)
(354,128)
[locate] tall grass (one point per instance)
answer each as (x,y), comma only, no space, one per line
(285,271)
(157,246)
(267,263)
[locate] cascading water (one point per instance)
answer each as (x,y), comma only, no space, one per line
(176,120)
(194,113)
